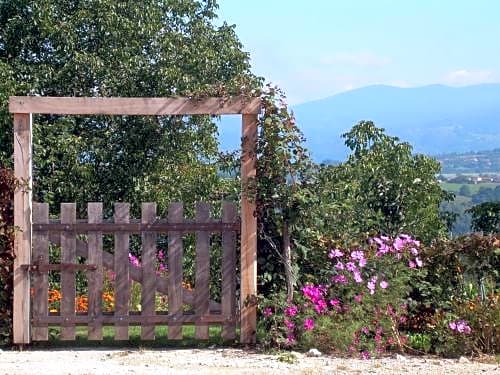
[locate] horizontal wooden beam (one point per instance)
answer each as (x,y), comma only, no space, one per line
(137,227)
(134,106)
(133,319)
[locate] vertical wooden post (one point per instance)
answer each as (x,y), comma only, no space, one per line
(175,276)
(22,220)
(228,298)
(148,287)
(68,277)
(202,282)
(40,280)
(122,279)
(248,233)
(95,278)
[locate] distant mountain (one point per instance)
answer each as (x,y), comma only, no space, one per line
(434,119)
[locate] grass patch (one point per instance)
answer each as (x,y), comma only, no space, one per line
(134,341)
(474,188)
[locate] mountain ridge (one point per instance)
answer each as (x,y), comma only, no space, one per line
(434,119)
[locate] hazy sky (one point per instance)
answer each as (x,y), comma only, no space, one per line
(316,48)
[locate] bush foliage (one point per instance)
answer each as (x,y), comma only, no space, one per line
(7,186)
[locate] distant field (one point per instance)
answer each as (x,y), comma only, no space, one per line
(474,188)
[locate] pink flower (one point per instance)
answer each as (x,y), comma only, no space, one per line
(289,324)
(339,279)
(133,260)
(365,355)
(358,298)
(291,310)
(290,339)
(308,324)
(419,262)
(365,330)
(357,277)
(412,264)
(161,255)
(340,266)
(371,286)
(268,312)
(335,253)
(357,255)
(351,266)
(320,306)
(384,284)
(335,302)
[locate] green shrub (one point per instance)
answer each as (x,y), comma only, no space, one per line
(7,186)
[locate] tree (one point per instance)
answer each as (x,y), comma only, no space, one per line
(486,217)
(382,187)
(283,175)
(465,190)
(115,48)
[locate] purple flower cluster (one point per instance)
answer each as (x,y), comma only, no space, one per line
(460,326)
(315,294)
(398,246)
(161,267)
(134,260)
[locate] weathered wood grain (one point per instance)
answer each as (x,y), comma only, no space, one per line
(122,280)
(148,287)
(228,303)
(22,221)
(133,106)
(248,233)
(175,252)
(40,280)
(202,281)
(95,278)
(68,279)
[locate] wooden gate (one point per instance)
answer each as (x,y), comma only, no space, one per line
(83,240)
(23,108)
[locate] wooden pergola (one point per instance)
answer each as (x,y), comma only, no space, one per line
(23,107)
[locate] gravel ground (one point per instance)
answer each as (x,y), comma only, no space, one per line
(220,362)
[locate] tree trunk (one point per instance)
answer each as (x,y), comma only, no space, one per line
(287,258)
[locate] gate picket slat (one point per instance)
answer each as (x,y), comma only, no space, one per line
(68,282)
(202,281)
(40,280)
(122,280)
(228,272)
(95,278)
(148,289)
(175,253)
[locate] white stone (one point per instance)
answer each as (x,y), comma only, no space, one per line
(401,358)
(314,353)
(463,360)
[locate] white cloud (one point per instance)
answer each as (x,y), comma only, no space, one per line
(463,77)
(360,58)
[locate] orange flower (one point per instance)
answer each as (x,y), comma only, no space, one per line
(82,304)
(54,295)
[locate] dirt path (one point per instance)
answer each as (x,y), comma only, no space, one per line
(220,362)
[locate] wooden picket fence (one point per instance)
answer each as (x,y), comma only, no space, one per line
(84,238)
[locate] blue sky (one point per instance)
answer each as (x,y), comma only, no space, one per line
(316,48)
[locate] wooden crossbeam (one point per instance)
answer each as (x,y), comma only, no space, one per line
(134,106)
